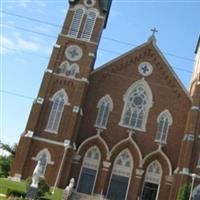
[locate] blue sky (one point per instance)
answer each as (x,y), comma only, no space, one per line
(26,45)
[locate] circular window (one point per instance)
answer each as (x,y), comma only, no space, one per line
(138,100)
(145,68)
(89,3)
(73,53)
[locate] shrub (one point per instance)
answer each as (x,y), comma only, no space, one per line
(15,193)
(184,192)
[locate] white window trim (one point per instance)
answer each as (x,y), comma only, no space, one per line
(75,9)
(167,112)
(106,98)
(65,103)
(84,166)
(97,14)
(131,171)
(149,104)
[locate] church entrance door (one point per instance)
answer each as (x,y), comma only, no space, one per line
(118,188)
(86,181)
(149,191)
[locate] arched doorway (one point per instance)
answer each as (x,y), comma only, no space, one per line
(89,171)
(121,175)
(152,181)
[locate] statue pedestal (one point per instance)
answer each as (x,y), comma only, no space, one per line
(32,193)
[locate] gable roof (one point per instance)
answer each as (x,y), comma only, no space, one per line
(152,40)
(198,45)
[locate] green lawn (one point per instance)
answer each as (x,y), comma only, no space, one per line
(6,184)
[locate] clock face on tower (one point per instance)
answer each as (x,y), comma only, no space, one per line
(73,53)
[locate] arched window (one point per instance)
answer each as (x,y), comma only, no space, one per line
(69,70)
(164,121)
(105,105)
(45,158)
(89,170)
(76,22)
(152,181)
(63,67)
(138,100)
(196,193)
(89,24)
(59,100)
(73,70)
(198,162)
(120,178)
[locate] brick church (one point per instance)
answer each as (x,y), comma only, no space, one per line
(126,130)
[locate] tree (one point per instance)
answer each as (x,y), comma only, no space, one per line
(184,192)
(7,159)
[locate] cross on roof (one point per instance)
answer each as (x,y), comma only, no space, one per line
(154,31)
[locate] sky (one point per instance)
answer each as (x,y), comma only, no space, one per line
(29,29)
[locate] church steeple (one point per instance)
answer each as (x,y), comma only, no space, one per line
(57,111)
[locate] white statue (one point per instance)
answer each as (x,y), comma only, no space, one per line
(36,174)
(39,171)
(68,190)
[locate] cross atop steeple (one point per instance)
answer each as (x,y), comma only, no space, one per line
(154,31)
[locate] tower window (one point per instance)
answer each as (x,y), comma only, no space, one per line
(164,122)
(138,100)
(105,105)
(89,25)
(68,70)
(76,22)
(59,100)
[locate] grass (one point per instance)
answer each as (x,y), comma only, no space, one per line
(6,184)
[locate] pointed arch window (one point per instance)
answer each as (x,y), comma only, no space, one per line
(69,70)
(198,162)
(138,100)
(105,105)
(89,24)
(196,193)
(152,181)
(59,99)
(120,178)
(76,22)
(164,121)
(89,171)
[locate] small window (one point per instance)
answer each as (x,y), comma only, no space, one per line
(89,25)
(68,70)
(63,67)
(76,22)
(164,122)
(73,70)
(105,105)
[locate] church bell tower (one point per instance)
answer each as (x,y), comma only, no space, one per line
(52,127)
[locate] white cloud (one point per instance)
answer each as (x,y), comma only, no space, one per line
(17,43)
